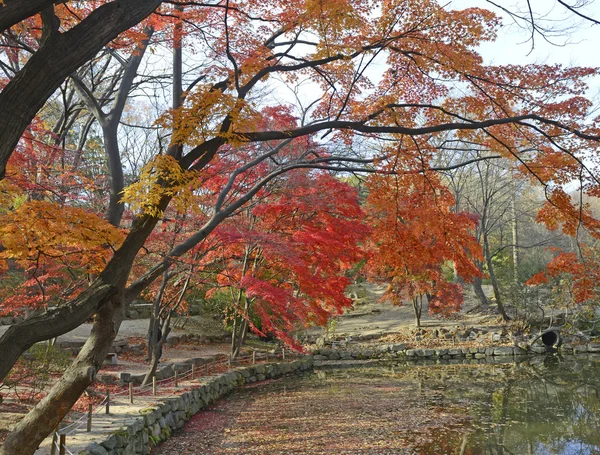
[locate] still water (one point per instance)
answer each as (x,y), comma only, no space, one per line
(542,406)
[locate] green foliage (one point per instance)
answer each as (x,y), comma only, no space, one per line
(529,303)
(331,327)
(217,303)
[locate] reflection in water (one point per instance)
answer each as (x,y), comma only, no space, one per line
(544,406)
(540,406)
(548,408)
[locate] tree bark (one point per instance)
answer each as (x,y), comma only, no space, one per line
(418,307)
(25,438)
(59,56)
(20,337)
(493,279)
(15,11)
(479,291)
(157,350)
(515,238)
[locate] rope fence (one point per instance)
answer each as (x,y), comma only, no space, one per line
(59,446)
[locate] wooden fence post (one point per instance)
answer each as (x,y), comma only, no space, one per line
(89,418)
(62,446)
(54,442)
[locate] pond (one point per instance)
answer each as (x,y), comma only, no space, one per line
(544,406)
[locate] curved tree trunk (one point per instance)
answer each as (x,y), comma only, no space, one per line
(25,438)
(493,279)
(478,289)
(418,308)
(59,56)
(20,337)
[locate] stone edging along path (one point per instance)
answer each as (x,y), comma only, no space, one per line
(155,423)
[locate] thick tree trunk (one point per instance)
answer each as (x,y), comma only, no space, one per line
(25,438)
(478,289)
(515,238)
(493,279)
(20,337)
(117,180)
(418,308)
(14,11)
(60,55)
(157,350)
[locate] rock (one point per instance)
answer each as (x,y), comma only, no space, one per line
(397,347)
(504,351)
(334,355)
(111,359)
(165,372)
(134,378)
(108,379)
(6,320)
(182,367)
(592,347)
(110,443)
(95,449)
(172,340)
(455,352)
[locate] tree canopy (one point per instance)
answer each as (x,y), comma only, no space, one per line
(118,166)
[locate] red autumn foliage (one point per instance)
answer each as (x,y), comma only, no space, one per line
(415,233)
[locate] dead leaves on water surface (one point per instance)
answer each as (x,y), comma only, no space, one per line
(331,416)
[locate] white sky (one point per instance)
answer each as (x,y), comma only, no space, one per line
(578,46)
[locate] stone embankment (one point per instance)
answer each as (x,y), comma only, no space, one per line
(155,423)
(400,351)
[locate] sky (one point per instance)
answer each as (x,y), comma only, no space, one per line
(578,45)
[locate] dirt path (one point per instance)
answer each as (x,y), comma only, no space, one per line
(138,328)
(370,315)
